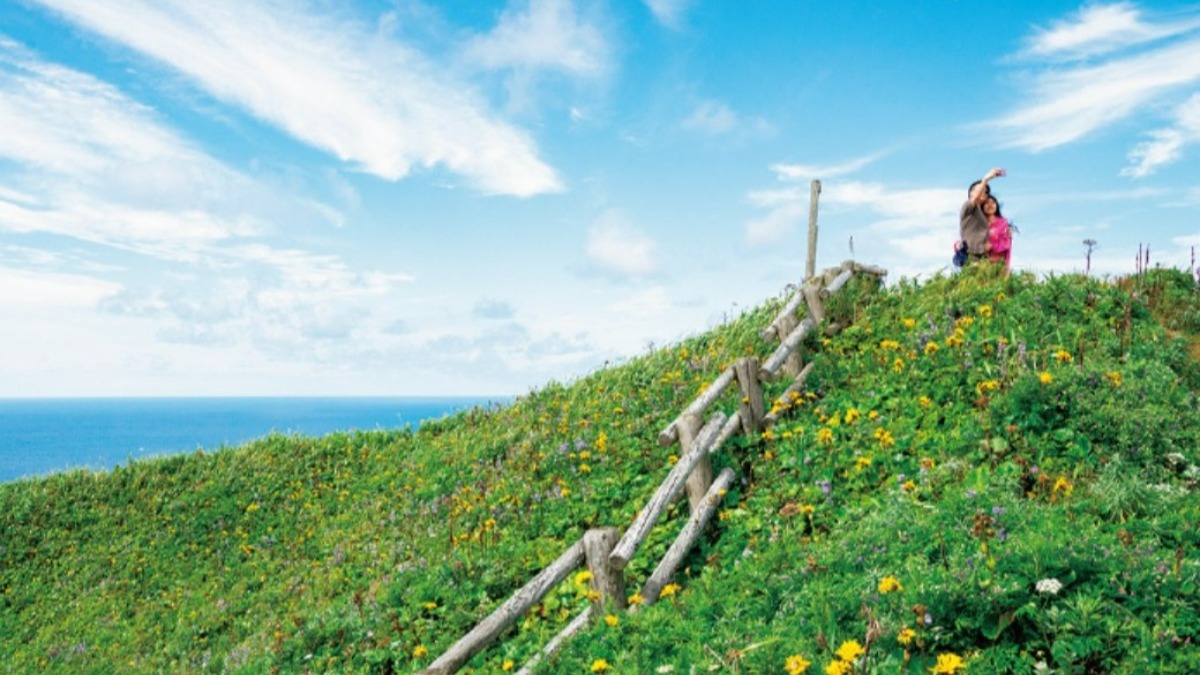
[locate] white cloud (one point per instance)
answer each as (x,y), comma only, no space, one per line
(615,247)
(782,220)
(668,12)
(381,106)
(1097,29)
(1166,145)
(711,117)
(548,36)
(798,172)
(50,291)
(1066,102)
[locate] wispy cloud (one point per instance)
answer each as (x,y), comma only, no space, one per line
(548,36)
(615,247)
(1097,29)
(330,82)
(796,172)
(1134,66)
(668,12)
(716,118)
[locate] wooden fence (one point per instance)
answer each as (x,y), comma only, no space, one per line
(606,551)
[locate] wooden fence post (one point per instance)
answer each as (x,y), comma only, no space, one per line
(701,476)
(810,267)
(597,545)
(752,409)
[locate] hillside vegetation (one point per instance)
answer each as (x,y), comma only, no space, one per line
(984,475)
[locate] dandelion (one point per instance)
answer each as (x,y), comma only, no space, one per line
(886,440)
(672,459)
(964,322)
(1049,586)
(1045,378)
(850,650)
(861,463)
(807,509)
(669,590)
(796,664)
(948,664)
(906,635)
(1114,377)
(636,599)
(825,435)
(1063,485)
(898,365)
(890,345)
(909,323)
(564,492)
(1062,356)
(987,386)
(985,311)
(909,486)
(890,584)
(507,665)
(420,652)
(599,666)
(931,348)
(851,416)
(925,401)
(838,668)
(584,468)
(431,606)
(611,620)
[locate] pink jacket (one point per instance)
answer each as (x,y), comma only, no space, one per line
(1000,236)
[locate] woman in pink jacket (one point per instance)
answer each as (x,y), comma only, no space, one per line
(999,233)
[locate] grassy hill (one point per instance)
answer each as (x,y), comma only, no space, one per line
(985,475)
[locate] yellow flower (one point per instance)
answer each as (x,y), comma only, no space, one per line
(931,348)
(909,486)
(925,401)
(1063,485)
(611,620)
(873,415)
(565,492)
(1062,356)
(1113,376)
(964,322)
(599,666)
(927,463)
(583,577)
(985,311)
(431,605)
(889,344)
(906,636)
(898,365)
(672,459)
(507,665)
(584,468)
(890,584)
(796,664)
(851,416)
(636,599)
(862,463)
(807,509)
(825,435)
(669,590)
(886,440)
(838,668)
(948,664)
(986,386)
(850,650)
(1045,378)
(909,323)
(420,652)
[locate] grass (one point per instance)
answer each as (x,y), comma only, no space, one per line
(986,475)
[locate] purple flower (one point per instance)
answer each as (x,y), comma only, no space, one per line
(928,619)
(997,511)
(971,494)
(825,486)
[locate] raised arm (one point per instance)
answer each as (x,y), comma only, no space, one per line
(980,191)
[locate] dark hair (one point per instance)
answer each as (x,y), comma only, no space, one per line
(972,188)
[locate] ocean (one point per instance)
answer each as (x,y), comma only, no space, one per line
(41,436)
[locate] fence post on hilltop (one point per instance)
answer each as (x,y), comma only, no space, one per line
(810,267)
(598,543)
(701,477)
(752,410)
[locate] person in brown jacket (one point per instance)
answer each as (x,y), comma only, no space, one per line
(972,223)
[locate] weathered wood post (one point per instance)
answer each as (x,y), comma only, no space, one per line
(701,476)
(598,544)
(752,409)
(811,267)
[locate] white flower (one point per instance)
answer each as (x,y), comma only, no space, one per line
(1051,586)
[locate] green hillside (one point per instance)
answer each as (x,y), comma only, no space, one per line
(984,475)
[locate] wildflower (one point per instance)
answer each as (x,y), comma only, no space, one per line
(672,459)
(1062,356)
(593,595)
(599,666)
(838,668)
(420,652)
(889,345)
(931,348)
(985,311)
(636,599)
(825,435)
(1113,376)
(886,440)
(565,492)
(909,486)
(925,401)
(1045,378)
(909,323)
(927,463)
(851,416)
(890,584)
(796,664)
(807,509)
(1063,485)
(611,620)
(986,386)
(431,606)
(669,590)
(948,664)
(850,650)
(507,665)
(584,468)
(1049,586)
(862,463)
(906,635)
(898,365)
(964,322)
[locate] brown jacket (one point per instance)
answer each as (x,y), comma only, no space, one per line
(973,228)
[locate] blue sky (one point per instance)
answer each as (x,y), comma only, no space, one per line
(282,197)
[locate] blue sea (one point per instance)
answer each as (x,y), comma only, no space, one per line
(41,436)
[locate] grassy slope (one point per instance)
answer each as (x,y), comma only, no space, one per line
(968,473)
